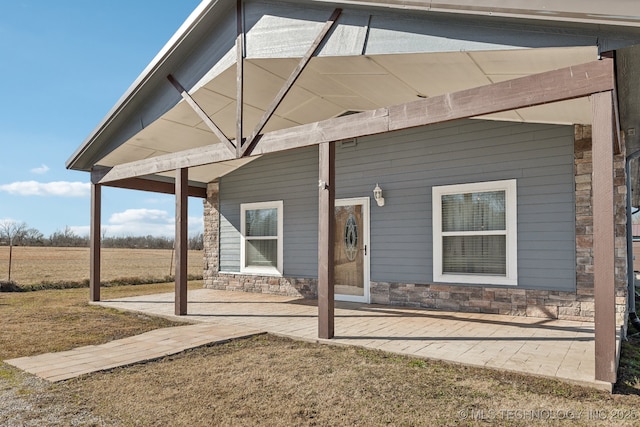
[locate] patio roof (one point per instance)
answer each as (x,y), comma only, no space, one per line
(332,84)
(495,78)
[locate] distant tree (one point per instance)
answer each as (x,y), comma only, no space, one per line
(33,237)
(196,242)
(11,232)
(67,238)
(138,242)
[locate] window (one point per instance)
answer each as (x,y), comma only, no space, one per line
(474,233)
(261,244)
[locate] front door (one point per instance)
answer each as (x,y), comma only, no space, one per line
(351,252)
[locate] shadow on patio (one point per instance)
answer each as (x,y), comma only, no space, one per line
(551,348)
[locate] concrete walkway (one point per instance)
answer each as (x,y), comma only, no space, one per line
(139,348)
(550,348)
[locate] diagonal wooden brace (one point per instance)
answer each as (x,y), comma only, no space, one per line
(201,113)
(315,46)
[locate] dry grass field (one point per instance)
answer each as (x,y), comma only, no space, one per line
(264,380)
(34,265)
(267,380)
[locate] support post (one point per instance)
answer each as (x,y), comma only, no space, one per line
(603,237)
(239,78)
(94,243)
(182,177)
(326,224)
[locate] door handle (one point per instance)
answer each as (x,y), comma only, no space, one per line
(364,249)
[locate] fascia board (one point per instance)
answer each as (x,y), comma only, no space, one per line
(150,73)
(624,13)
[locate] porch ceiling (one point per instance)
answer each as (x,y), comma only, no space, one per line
(331,86)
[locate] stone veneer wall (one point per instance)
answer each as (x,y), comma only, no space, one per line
(584,222)
(577,305)
(286,286)
(620,200)
(211,241)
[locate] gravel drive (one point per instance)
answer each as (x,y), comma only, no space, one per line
(26,400)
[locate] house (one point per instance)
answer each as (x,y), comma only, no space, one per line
(437,155)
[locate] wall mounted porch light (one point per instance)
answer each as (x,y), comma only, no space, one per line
(377,195)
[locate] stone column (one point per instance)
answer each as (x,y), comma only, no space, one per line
(211,234)
(584,219)
(620,203)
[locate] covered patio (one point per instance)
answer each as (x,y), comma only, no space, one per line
(244,80)
(559,349)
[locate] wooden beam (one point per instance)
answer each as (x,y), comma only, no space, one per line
(352,126)
(315,46)
(180,242)
(94,243)
(603,237)
(182,159)
(326,224)
(239,78)
(156,187)
(617,128)
(202,114)
(538,89)
(553,86)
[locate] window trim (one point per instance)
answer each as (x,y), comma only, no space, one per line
(511,222)
(271,271)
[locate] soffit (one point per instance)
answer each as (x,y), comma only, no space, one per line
(329,86)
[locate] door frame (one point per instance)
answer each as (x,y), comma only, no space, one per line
(365,202)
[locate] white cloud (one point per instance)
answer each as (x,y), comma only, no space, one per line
(137,215)
(158,201)
(80,230)
(196,223)
(56,188)
(8,221)
(142,222)
(40,170)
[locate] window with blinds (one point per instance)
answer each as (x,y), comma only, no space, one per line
(474,233)
(261,245)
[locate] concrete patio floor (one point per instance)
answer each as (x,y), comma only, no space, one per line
(155,344)
(550,348)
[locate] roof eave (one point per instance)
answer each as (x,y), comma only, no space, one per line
(578,11)
(148,74)
(595,12)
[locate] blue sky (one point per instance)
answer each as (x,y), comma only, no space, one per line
(63,65)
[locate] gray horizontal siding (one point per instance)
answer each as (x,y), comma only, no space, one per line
(291,177)
(407,164)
